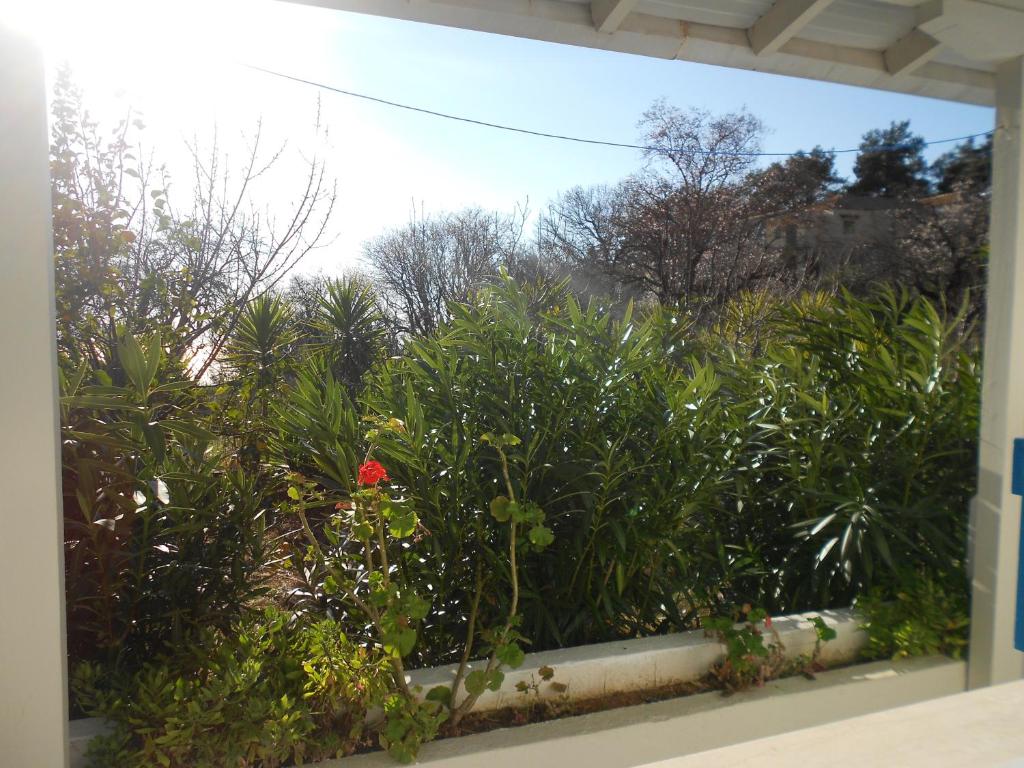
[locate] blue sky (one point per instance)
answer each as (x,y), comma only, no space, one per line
(388,161)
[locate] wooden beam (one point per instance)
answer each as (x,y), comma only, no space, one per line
(569,22)
(910,52)
(781,23)
(608,14)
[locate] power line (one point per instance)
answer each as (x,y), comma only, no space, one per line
(581,140)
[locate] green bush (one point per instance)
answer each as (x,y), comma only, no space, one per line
(860,452)
(266,694)
(678,472)
(163,534)
(553,475)
(619,449)
(917,615)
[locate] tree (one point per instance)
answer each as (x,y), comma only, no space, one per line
(939,249)
(432,262)
(965,164)
(799,181)
(890,163)
(128,261)
(700,224)
(677,222)
(353,330)
(578,235)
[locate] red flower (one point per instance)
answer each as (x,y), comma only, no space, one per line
(768,621)
(372,472)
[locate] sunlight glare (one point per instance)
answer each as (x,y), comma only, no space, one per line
(133,39)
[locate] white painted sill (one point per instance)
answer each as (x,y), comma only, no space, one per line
(589,671)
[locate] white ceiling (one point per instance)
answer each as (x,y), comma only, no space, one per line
(947,49)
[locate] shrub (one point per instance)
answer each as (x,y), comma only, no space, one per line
(266,693)
(361,552)
(617,448)
(916,615)
(858,459)
(795,472)
(163,536)
(748,660)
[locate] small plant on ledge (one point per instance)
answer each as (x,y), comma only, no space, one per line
(748,661)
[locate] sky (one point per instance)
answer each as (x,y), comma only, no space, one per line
(183,67)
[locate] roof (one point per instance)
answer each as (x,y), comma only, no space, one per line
(947,49)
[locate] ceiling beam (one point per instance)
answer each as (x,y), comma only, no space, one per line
(569,22)
(781,23)
(609,14)
(910,52)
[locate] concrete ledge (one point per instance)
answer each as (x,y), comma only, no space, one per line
(650,662)
(635,736)
(628,665)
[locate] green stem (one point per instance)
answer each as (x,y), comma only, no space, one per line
(467,649)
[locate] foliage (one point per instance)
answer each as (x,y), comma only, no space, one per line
(162,535)
(350,330)
(965,164)
(435,261)
(890,163)
(256,362)
(362,555)
(540,474)
(617,449)
(918,613)
(699,224)
(798,470)
(266,693)
(129,260)
(862,417)
(748,660)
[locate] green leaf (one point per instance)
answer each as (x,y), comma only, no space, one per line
(154,352)
(133,362)
(495,679)
(500,509)
(402,520)
(406,641)
(476,682)
(441,694)
(511,655)
(541,536)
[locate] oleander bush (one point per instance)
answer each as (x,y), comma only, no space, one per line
(862,429)
(795,475)
(164,533)
(620,449)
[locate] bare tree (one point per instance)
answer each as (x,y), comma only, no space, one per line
(940,247)
(699,224)
(434,261)
(129,260)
